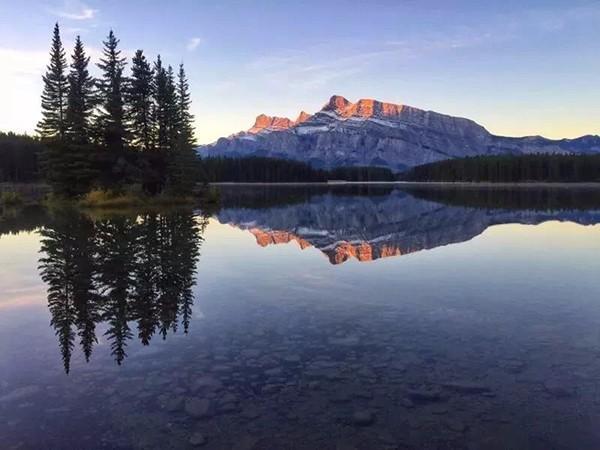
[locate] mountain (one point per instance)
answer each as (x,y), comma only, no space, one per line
(374,133)
(370,227)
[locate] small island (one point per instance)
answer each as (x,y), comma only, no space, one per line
(119,140)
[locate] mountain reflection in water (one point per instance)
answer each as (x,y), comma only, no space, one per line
(372,222)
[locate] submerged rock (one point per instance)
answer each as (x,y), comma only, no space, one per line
(467,387)
(292,358)
(424,395)
(363,418)
(208,383)
(197,439)
(174,404)
(558,388)
(456,425)
(198,407)
(513,366)
(407,403)
(439,410)
(251,413)
(344,341)
(274,372)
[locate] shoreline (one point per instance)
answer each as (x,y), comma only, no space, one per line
(523,184)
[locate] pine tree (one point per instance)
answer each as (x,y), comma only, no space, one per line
(161,113)
(173,123)
(68,157)
(166,107)
(70,168)
(186,119)
(183,167)
(112,123)
(140,103)
(70,161)
(54,96)
(80,100)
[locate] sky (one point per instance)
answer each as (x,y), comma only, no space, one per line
(526,67)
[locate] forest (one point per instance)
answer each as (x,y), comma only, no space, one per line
(275,170)
(19,158)
(510,169)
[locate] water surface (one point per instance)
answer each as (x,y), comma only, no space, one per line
(349,317)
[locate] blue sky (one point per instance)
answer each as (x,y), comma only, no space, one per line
(516,67)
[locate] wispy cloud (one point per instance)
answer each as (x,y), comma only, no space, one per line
(193,43)
(75,10)
(317,68)
(304,69)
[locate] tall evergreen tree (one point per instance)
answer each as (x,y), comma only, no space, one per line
(165,119)
(112,123)
(54,96)
(173,122)
(80,100)
(165,104)
(183,165)
(140,103)
(183,168)
(184,101)
(70,162)
(160,114)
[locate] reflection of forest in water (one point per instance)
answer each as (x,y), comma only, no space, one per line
(133,273)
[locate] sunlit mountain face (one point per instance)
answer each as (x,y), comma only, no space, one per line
(383,222)
(375,133)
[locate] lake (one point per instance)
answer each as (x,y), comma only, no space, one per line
(330,317)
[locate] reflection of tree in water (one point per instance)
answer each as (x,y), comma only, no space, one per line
(68,268)
(121,271)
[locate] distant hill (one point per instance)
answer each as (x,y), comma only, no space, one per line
(374,133)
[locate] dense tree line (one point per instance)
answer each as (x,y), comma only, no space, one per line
(117,129)
(19,158)
(508,169)
(273,170)
(534,198)
(134,274)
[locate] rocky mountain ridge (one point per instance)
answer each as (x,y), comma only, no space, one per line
(375,133)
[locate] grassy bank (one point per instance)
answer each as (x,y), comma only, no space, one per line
(30,194)
(109,199)
(16,194)
(133,198)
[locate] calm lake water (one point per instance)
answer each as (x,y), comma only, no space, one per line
(308,317)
